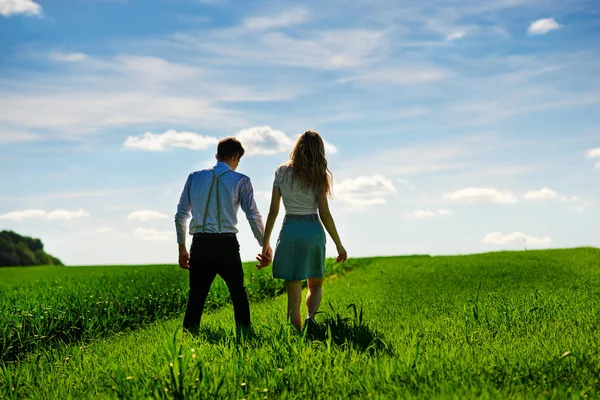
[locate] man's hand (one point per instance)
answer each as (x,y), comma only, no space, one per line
(265,257)
(184,257)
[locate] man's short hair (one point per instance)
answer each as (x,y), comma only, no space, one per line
(228,148)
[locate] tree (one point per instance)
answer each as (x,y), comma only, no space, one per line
(41,258)
(17,250)
(26,256)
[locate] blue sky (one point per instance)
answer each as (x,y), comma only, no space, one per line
(452,126)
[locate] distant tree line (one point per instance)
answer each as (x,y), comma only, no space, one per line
(17,250)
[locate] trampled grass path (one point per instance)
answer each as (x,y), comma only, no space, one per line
(498,325)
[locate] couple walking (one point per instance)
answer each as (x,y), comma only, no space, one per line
(212,198)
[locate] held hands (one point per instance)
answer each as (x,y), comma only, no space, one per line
(342,255)
(265,257)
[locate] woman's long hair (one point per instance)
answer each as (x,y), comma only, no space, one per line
(309,164)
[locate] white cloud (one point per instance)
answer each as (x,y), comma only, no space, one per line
(421,214)
(456,35)
(128,90)
(512,170)
(65,215)
(68,57)
(12,136)
(364,191)
(542,194)
(580,209)
(315,49)
(356,203)
(411,160)
(264,194)
(161,141)
(329,148)
(56,215)
(103,230)
(407,184)
(565,198)
(263,140)
(519,102)
(593,153)
(543,26)
(399,76)
(330,49)
(484,195)
(152,234)
(291,17)
(13,7)
(427,214)
(376,185)
(206,164)
(154,69)
(146,215)
(73,111)
(21,215)
(515,238)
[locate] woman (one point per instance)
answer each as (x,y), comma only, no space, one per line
(304,184)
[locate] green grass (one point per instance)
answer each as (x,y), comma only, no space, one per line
(498,325)
(41,307)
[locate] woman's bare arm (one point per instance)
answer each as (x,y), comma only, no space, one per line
(329,224)
(273,212)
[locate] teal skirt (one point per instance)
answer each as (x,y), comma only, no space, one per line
(300,251)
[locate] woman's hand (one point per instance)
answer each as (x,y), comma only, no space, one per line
(265,257)
(342,255)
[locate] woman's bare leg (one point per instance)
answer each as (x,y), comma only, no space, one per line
(314,295)
(294,292)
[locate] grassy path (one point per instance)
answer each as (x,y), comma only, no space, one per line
(500,325)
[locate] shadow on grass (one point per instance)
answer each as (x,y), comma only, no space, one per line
(333,329)
(226,336)
(349,331)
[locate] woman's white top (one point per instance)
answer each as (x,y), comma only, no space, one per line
(297,198)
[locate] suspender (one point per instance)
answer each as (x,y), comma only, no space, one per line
(215,178)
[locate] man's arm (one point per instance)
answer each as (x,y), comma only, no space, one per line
(184,211)
(249,206)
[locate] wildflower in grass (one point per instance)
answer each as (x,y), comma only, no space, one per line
(565,354)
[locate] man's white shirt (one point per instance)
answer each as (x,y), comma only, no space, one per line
(212,214)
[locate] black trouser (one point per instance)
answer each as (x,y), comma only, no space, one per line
(213,254)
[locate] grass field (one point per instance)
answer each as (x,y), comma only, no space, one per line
(41,307)
(497,325)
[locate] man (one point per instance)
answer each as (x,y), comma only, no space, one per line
(212,198)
